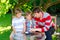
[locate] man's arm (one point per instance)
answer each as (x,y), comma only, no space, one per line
(48,24)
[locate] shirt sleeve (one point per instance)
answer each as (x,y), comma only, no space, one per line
(13,24)
(47,25)
(24,20)
(34,23)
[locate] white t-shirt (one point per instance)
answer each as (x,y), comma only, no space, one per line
(17,23)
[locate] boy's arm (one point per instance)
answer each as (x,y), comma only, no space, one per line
(34,23)
(34,26)
(24,30)
(13,25)
(13,29)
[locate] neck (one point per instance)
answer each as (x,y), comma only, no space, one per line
(17,17)
(29,19)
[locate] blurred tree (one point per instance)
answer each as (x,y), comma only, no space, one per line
(44,4)
(30,4)
(50,3)
(54,10)
(5,5)
(25,5)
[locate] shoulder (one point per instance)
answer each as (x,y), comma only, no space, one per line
(34,18)
(22,17)
(14,19)
(46,14)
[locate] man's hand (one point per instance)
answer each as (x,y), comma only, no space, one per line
(23,32)
(34,30)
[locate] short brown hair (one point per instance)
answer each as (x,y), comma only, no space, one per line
(28,13)
(37,10)
(18,11)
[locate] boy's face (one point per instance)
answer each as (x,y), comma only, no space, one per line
(28,17)
(18,15)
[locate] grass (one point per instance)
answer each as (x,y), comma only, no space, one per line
(5,26)
(5,20)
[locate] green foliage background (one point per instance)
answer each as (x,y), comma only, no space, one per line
(25,5)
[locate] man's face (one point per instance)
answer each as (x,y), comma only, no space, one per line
(38,15)
(18,15)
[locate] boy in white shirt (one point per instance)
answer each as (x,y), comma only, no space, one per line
(18,26)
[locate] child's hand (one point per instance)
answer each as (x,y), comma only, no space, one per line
(32,30)
(14,31)
(23,32)
(37,29)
